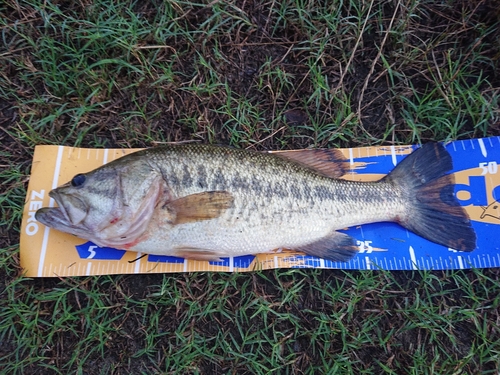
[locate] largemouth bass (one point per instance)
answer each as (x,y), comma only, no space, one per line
(206,202)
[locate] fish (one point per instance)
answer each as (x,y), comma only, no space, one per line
(205,202)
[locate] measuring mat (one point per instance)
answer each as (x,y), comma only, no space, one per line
(47,253)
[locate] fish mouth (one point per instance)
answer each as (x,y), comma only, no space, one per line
(53,217)
(69,214)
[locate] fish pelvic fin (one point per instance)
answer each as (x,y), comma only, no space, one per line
(194,253)
(337,247)
(433,211)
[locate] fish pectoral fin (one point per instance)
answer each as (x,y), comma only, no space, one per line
(337,247)
(197,254)
(200,206)
(326,162)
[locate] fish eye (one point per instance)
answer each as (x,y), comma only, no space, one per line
(78,180)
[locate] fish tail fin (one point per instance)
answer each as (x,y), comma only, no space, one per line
(434,212)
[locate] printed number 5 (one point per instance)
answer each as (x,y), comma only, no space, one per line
(92,252)
(488,167)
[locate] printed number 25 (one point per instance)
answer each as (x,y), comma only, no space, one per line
(365,246)
(488,167)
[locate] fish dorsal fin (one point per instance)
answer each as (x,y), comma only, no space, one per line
(197,254)
(328,163)
(200,206)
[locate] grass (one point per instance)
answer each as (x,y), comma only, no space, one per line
(262,75)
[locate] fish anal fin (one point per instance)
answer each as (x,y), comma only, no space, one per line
(197,254)
(337,247)
(326,162)
(200,206)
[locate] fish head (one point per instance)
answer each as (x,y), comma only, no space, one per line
(110,206)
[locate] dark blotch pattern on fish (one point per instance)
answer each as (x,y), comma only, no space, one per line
(172,179)
(202,177)
(239,182)
(256,185)
(323,193)
(295,190)
(187,180)
(306,188)
(219,180)
(280,190)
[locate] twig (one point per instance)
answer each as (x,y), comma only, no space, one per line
(372,68)
(354,50)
